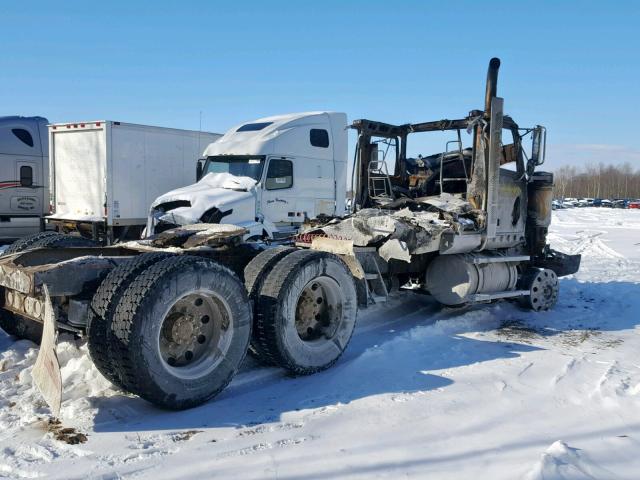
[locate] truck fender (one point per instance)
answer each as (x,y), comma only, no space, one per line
(269,227)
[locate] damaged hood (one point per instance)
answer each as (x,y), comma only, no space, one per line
(220,190)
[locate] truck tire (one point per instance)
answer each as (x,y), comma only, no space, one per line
(256,269)
(63,241)
(27,242)
(180,331)
(103,305)
(254,274)
(306,311)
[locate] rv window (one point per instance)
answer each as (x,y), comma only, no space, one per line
(279,175)
(319,137)
(26,176)
(23,135)
(253,127)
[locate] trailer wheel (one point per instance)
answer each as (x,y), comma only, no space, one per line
(254,274)
(28,242)
(103,305)
(306,311)
(180,331)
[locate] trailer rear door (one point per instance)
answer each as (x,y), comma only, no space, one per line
(79,164)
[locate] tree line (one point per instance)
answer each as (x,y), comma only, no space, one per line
(597,181)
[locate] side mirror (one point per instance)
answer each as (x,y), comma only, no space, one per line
(199,169)
(539,145)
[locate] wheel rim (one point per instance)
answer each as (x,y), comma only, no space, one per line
(544,290)
(195,334)
(319,310)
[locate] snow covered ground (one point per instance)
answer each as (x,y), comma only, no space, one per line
(488,392)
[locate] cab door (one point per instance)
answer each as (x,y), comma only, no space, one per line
(21,168)
(512,193)
(26,197)
(278,204)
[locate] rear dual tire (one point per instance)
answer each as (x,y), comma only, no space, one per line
(255,274)
(305,312)
(102,308)
(48,240)
(30,241)
(179,331)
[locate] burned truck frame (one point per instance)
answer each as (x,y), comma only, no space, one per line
(170,318)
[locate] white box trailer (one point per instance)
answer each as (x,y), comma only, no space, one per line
(105,174)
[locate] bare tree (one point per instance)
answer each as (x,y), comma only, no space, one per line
(597,181)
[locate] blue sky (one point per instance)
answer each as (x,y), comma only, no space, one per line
(572,66)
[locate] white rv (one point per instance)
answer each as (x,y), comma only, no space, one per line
(105,174)
(267,176)
(24,176)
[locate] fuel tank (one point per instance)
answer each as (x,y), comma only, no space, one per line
(452,279)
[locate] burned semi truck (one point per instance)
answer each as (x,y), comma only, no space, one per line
(170,318)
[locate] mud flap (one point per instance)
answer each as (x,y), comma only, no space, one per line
(46,371)
(561,263)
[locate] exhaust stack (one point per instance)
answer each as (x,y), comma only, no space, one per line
(493,112)
(492,85)
(477,188)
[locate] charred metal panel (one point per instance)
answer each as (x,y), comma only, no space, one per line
(493,170)
(69,277)
(512,205)
(200,234)
(75,276)
(47,256)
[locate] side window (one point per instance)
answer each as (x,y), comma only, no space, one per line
(24,136)
(511,157)
(319,137)
(279,175)
(26,176)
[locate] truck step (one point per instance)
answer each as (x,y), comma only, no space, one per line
(378,298)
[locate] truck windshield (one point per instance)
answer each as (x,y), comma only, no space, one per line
(238,165)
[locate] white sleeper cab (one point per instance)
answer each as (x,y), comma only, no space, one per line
(24,175)
(267,176)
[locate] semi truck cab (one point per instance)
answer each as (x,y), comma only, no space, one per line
(24,175)
(268,176)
